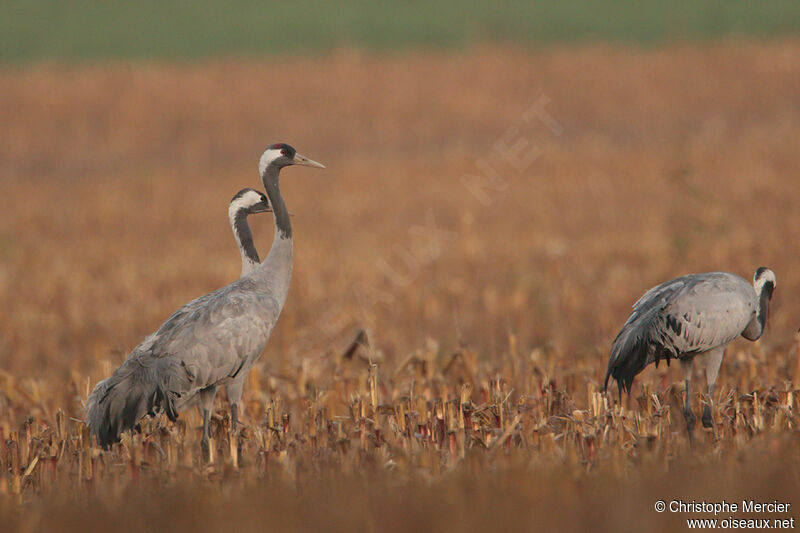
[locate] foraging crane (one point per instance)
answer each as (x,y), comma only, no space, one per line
(694,316)
(212,341)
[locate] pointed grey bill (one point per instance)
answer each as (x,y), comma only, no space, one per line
(306,162)
(261,207)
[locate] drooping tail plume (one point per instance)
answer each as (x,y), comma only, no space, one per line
(629,356)
(118,403)
(635,347)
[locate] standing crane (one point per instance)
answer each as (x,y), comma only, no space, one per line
(212,341)
(244,203)
(688,318)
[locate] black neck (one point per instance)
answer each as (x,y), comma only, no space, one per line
(763,304)
(245,236)
(282,224)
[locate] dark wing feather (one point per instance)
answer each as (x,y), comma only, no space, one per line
(633,348)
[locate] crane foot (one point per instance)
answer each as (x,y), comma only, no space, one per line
(690,421)
(707,419)
(206,449)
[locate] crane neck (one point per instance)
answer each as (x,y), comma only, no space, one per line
(275,272)
(764,298)
(283,226)
(244,239)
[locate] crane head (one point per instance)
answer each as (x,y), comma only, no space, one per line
(249,201)
(764,280)
(282,155)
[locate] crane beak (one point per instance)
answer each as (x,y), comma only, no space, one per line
(261,207)
(306,162)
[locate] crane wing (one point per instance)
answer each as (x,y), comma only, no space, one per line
(211,338)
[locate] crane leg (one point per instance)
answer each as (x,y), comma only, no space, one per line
(234,416)
(708,418)
(713,362)
(234,397)
(207,404)
(235,428)
(205,438)
(686,364)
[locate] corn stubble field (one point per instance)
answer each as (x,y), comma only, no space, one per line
(487,219)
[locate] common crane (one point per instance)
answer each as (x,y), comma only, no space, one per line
(212,341)
(244,203)
(688,318)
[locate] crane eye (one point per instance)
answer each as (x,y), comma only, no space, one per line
(283,152)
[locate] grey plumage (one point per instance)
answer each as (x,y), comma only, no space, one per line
(692,316)
(212,341)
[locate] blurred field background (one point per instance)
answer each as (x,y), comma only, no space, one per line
(86,30)
(491,209)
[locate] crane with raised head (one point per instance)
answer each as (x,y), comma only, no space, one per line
(212,341)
